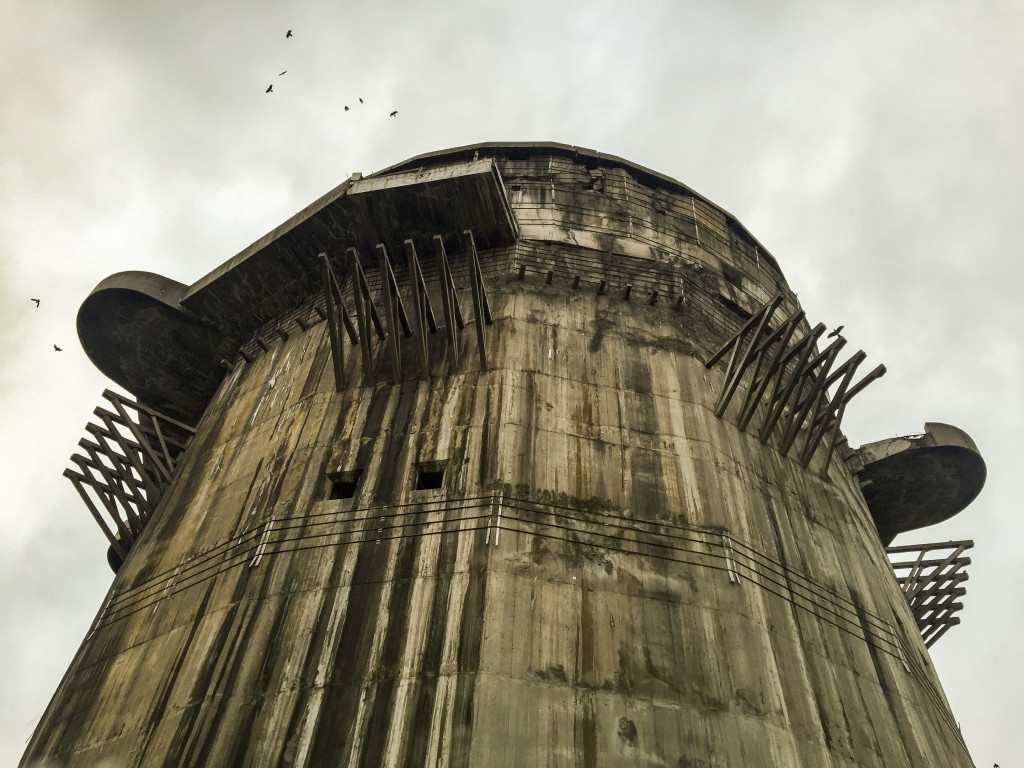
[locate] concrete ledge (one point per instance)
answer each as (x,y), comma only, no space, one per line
(919,480)
(163,341)
(133,329)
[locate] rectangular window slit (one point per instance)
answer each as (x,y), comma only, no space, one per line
(343,484)
(430,475)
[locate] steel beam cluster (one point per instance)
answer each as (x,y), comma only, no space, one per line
(797,384)
(931,577)
(126,466)
(423,318)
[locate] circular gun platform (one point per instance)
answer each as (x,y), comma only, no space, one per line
(916,481)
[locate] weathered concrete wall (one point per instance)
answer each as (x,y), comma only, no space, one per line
(608,576)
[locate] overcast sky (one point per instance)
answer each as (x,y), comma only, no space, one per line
(873,147)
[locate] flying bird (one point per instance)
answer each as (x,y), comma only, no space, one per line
(346,107)
(836,332)
(289,33)
(393,113)
(36,301)
(284,73)
(360,101)
(269,88)
(57,349)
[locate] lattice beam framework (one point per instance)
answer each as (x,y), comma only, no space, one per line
(796,387)
(423,313)
(125,468)
(416,322)
(335,310)
(931,577)
(481,309)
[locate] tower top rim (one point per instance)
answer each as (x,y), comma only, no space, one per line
(527,149)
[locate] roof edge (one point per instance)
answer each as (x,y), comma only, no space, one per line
(509,148)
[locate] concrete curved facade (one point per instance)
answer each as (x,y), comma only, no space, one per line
(553,554)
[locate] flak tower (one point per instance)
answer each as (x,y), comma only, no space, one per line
(508,455)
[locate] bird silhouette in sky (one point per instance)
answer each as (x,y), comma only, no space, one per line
(269,88)
(346,107)
(283,73)
(57,349)
(36,301)
(393,113)
(360,101)
(289,34)
(836,332)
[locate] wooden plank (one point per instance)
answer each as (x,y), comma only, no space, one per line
(904,548)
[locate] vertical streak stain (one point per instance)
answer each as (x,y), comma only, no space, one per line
(390,665)
(470,638)
(333,736)
(417,726)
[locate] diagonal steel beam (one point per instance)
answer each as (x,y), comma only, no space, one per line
(139,407)
(362,288)
(782,393)
(362,313)
(761,379)
(333,330)
(732,344)
(142,440)
(481,310)
(738,361)
(477,275)
(119,474)
(450,304)
(119,544)
(132,452)
(107,483)
(392,304)
(422,313)
(388,278)
(171,459)
(826,407)
(808,395)
(339,302)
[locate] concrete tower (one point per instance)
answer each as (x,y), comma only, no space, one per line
(508,455)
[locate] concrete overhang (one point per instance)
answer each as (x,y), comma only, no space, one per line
(518,150)
(163,341)
(134,330)
(916,481)
(280,270)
